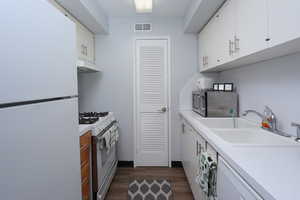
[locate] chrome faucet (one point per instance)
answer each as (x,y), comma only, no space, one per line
(298,130)
(270,118)
(255,112)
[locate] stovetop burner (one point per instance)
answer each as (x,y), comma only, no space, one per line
(88,120)
(91,117)
(93,114)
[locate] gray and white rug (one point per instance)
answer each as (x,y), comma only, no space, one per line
(150,190)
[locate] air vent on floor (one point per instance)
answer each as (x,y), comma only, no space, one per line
(142,27)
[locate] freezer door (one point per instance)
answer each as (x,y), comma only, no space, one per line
(39,152)
(38,52)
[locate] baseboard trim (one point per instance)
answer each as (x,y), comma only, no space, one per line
(125,164)
(176,164)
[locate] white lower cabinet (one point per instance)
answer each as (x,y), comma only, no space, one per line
(231,186)
(192,145)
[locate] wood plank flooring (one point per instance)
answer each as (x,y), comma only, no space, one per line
(119,186)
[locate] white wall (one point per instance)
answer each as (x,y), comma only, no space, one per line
(275,83)
(112,90)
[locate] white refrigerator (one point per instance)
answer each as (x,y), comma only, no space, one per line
(39,145)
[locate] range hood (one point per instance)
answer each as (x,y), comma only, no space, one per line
(87,67)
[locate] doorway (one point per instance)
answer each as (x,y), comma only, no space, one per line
(151,102)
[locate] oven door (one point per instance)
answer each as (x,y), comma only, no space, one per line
(105,160)
(106,165)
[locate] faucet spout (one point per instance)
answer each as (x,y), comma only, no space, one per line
(255,112)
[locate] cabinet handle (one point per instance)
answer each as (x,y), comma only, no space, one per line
(84,50)
(198,151)
(206,60)
(230,48)
(236,43)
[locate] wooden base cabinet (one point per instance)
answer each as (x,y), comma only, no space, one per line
(85,150)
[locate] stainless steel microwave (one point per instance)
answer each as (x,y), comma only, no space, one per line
(209,103)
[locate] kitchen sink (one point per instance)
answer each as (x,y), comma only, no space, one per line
(228,123)
(253,137)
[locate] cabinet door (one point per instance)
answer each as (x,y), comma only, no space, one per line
(196,143)
(283,19)
(189,155)
(213,42)
(85,44)
(201,52)
(231,186)
(185,149)
(225,32)
(85,149)
(209,44)
(204,45)
(91,48)
(251,26)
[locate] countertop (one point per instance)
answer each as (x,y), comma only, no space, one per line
(83,128)
(273,172)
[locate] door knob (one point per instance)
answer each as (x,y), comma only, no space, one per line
(163,109)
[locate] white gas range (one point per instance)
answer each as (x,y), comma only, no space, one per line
(104,150)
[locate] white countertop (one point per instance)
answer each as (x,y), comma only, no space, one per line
(83,128)
(273,172)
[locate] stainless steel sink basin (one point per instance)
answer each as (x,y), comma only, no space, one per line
(253,137)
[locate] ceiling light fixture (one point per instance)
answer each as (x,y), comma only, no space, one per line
(143,6)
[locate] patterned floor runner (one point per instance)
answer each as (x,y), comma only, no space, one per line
(150,190)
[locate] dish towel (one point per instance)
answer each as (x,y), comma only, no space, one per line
(207,176)
(107,139)
(114,135)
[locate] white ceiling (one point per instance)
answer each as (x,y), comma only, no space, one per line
(161,8)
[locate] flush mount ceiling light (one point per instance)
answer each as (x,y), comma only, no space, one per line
(143,6)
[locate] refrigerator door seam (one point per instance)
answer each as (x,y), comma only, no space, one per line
(22,103)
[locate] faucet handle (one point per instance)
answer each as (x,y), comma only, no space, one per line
(298,128)
(268,112)
(295,124)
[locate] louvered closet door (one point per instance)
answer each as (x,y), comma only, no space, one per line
(152,102)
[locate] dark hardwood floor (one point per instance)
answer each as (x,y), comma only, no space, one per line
(180,186)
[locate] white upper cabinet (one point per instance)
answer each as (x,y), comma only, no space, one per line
(208,40)
(210,43)
(85,44)
(251,27)
(203,48)
(283,21)
(248,31)
(224,32)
